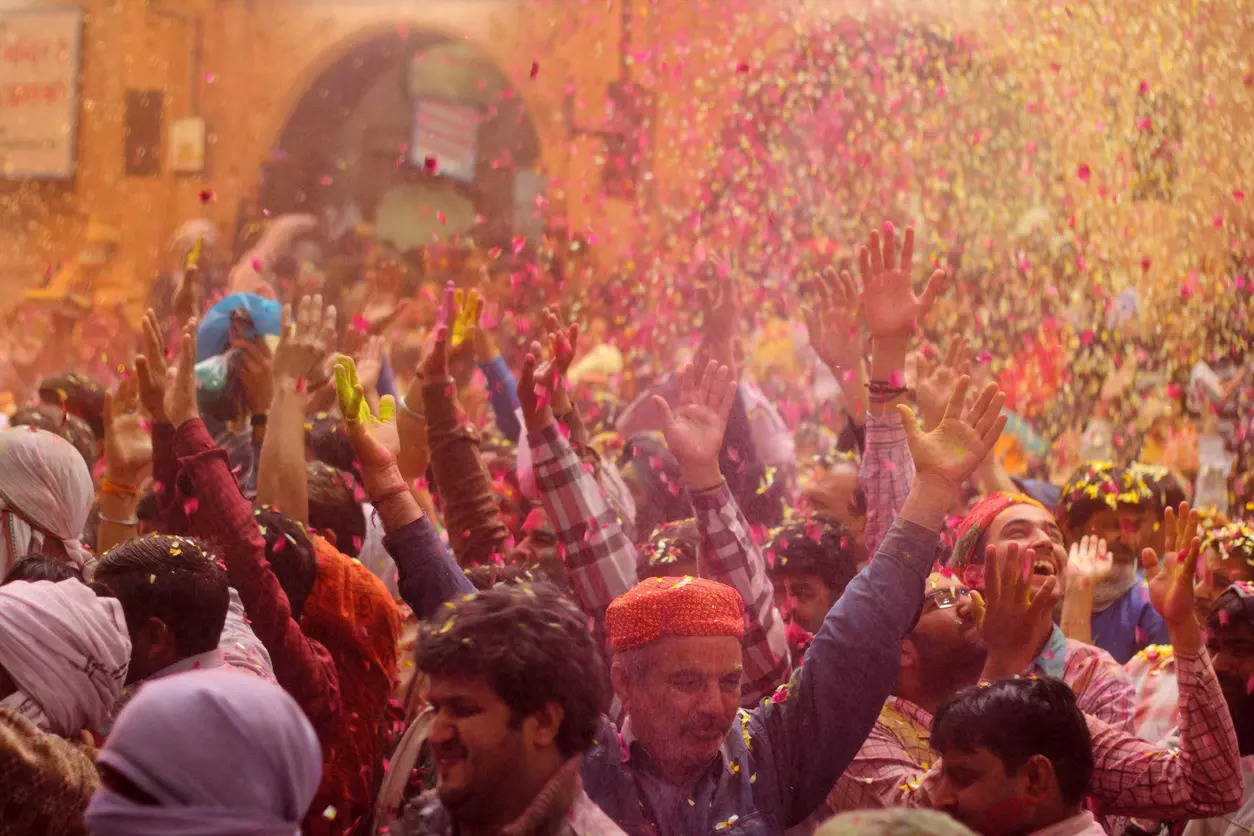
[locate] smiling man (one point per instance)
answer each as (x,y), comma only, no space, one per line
(516,689)
(1002,520)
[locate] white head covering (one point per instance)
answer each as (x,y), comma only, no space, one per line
(223,753)
(45,495)
(67,649)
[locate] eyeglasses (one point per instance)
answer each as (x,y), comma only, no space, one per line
(943,599)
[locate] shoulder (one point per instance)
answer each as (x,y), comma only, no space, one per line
(587,819)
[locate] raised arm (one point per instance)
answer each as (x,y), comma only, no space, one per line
(599,558)
(299,363)
(1203,777)
(817,725)
(890,310)
(128,457)
(694,428)
(502,388)
(427,574)
(471,513)
(219,513)
(835,333)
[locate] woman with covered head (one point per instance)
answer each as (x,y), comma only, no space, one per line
(1020,528)
(45,495)
(216,753)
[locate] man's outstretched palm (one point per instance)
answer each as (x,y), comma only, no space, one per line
(694,429)
(959,442)
(889,305)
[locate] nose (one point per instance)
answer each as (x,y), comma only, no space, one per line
(442,729)
(788,607)
(943,797)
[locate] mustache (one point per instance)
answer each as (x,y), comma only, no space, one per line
(706,726)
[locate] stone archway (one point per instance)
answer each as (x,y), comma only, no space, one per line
(348,144)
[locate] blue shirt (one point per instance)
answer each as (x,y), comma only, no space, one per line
(779,761)
(1129,625)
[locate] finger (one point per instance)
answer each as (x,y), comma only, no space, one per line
(890,246)
(864,263)
(1188,569)
(1149,562)
(687,384)
(448,309)
(907,249)
(977,411)
(957,398)
(1024,576)
(954,352)
(328,322)
(851,288)
(1046,598)
(108,409)
(992,414)
(527,377)
(668,417)
(992,574)
(286,328)
(440,349)
(935,285)
(143,371)
(1169,529)
(1187,526)
(989,438)
(387,409)
(187,352)
(707,383)
(304,311)
(876,252)
(910,423)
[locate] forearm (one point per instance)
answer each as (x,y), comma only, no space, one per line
(117,521)
(471,513)
(885,474)
(1077,614)
(730,556)
(853,385)
(888,366)
(427,574)
(503,396)
(282,481)
(165,468)
(928,501)
(599,557)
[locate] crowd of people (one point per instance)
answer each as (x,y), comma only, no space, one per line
(346,548)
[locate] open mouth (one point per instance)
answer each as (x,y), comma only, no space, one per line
(1044,568)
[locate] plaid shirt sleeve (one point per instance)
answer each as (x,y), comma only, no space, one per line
(885,474)
(1200,779)
(600,559)
(729,555)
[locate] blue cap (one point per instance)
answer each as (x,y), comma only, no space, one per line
(214,334)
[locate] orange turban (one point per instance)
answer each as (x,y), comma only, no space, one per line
(658,607)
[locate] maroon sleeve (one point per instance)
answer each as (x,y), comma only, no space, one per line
(220,514)
(165,471)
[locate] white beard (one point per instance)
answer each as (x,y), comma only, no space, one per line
(1122,578)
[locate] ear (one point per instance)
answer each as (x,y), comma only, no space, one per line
(157,637)
(620,679)
(542,726)
(328,535)
(1038,780)
(909,654)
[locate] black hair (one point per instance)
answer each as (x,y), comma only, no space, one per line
(290,553)
(325,438)
(1016,719)
(814,545)
(333,505)
(488,575)
(670,544)
(79,395)
(1161,487)
(40,567)
(175,579)
(531,645)
(57,421)
(1093,487)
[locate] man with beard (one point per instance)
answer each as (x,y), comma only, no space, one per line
(899,766)
(1123,507)
(1002,520)
(516,688)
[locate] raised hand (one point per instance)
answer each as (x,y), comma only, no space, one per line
(256,375)
(374,437)
(467,317)
(833,325)
(1088,564)
(1016,622)
(536,382)
(151,370)
(434,363)
(1170,581)
(562,343)
(306,344)
(889,305)
(127,440)
(694,427)
(188,294)
(955,447)
(180,396)
(934,379)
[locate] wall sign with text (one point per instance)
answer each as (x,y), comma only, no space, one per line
(39,63)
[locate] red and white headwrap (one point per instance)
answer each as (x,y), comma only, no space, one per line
(669,606)
(967,558)
(45,496)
